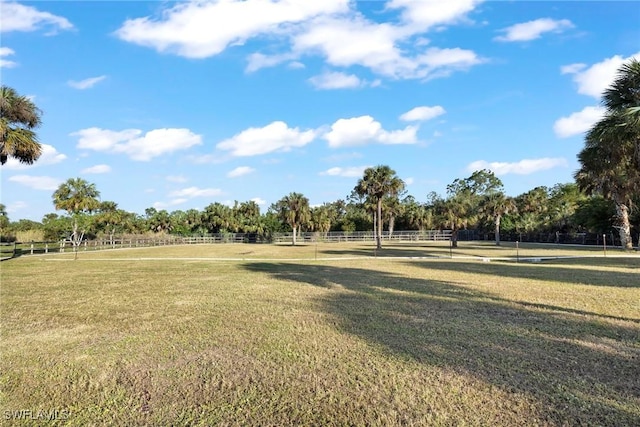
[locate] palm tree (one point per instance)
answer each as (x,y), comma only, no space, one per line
(76,196)
(217,218)
(378,182)
(294,210)
(455,213)
(495,206)
(18,117)
(322,218)
(111,218)
(615,178)
(610,160)
(623,99)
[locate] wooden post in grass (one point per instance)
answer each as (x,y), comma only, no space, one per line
(450,248)
(517,252)
(604,244)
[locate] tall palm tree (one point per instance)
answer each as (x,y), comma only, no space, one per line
(378,182)
(604,171)
(610,160)
(623,98)
(76,196)
(294,210)
(18,117)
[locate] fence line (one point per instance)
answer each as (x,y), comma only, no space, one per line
(31,248)
(10,250)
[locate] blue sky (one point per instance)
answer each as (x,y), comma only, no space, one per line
(179,105)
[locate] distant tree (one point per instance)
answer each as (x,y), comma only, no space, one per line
(495,206)
(217,218)
(56,227)
(595,215)
(111,219)
(159,221)
(77,197)
(322,217)
(378,182)
(294,210)
(193,219)
(18,117)
(464,196)
(247,217)
(532,209)
(4,219)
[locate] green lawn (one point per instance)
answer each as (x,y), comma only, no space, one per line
(321,335)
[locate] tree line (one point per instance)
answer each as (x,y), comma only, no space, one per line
(476,202)
(602,199)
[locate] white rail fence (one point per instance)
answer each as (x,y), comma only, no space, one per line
(10,250)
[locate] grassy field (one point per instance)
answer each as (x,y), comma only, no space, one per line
(326,335)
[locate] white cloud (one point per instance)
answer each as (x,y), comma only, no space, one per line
(335,80)
(409,181)
(523,167)
(334,29)
(49,156)
(192,192)
(203,29)
(97,169)
(572,68)
(17,206)
(18,17)
(259,201)
(422,113)
(357,41)
(86,83)
(5,63)
(136,145)
(176,178)
(240,171)
(579,122)
(593,80)
(364,129)
(37,182)
(350,172)
(256,61)
(426,14)
(532,30)
(276,136)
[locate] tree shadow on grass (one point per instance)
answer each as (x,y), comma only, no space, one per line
(587,275)
(583,371)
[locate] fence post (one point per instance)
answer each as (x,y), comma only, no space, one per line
(31,248)
(46,248)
